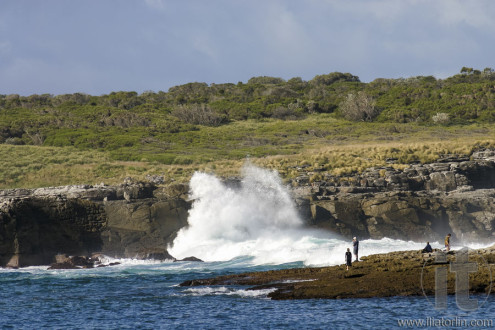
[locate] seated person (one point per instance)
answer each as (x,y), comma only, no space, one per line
(427,248)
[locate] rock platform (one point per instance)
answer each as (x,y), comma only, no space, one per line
(404,273)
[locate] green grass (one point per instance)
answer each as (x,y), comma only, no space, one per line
(77,138)
(324,143)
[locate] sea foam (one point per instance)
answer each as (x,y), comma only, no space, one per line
(258,218)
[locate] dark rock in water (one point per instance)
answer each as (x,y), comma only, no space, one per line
(158,255)
(110,264)
(78,262)
(189,259)
(73,263)
(61,258)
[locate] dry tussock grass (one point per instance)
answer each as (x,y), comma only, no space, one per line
(34,166)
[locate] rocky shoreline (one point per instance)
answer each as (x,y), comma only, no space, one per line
(131,220)
(405,273)
(422,203)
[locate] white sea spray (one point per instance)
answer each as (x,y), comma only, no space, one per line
(258,218)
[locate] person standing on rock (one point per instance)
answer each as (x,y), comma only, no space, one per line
(348,258)
(355,245)
(447,242)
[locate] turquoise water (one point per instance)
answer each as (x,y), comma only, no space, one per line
(147,296)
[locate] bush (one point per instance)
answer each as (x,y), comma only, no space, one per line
(293,111)
(37,137)
(265,80)
(329,79)
(14,141)
(358,107)
(441,118)
(197,114)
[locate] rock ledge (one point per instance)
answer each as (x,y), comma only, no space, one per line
(405,273)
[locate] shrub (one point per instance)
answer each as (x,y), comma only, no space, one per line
(328,79)
(283,113)
(441,118)
(37,138)
(197,114)
(14,141)
(265,80)
(358,107)
(291,112)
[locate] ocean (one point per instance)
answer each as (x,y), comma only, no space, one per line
(253,226)
(146,295)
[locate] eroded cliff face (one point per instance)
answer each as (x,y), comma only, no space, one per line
(138,220)
(420,203)
(132,220)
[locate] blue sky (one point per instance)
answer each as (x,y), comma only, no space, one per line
(100,46)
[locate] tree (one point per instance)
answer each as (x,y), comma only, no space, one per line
(488,72)
(328,79)
(358,107)
(265,80)
(466,70)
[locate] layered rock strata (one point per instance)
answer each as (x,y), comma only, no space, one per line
(423,202)
(131,220)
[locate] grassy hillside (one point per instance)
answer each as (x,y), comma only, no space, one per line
(318,143)
(333,123)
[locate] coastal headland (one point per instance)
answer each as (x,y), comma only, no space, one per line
(137,219)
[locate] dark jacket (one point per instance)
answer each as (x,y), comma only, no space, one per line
(348,258)
(428,248)
(355,244)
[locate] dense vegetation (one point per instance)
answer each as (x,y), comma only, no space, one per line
(198,126)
